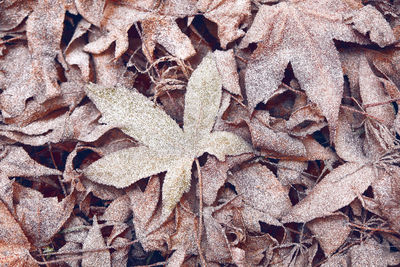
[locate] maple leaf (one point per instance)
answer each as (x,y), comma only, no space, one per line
(166,147)
(302,33)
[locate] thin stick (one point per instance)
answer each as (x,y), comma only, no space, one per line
(58,176)
(200,230)
(381,103)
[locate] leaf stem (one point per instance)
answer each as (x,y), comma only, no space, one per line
(200,230)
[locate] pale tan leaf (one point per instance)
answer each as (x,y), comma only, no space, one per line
(94,240)
(133,164)
(168,148)
(336,190)
(176,182)
(137,116)
(221,144)
(368,20)
(202,100)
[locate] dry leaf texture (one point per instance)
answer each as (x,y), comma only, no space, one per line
(300,33)
(166,147)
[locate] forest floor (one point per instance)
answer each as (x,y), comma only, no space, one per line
(199,133)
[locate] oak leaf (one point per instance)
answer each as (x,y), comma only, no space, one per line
(166,147)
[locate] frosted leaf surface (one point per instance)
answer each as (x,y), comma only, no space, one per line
(302,33)
(228,15)
(133,164)
(336,190)
(202,100)
(166,146)
(137,116)
(369,20)
(223,143)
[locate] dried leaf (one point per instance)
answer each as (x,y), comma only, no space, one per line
(261,189)
(300,33)
(227,68)
(331,232)
(166,146)
(44,44)
(118,17)
(335,191)
(94,240)
(14,246)
(227,15)
(41,218)
(214,174)
(368,20)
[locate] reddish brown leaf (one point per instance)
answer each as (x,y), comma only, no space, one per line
(14,246)
(335,191)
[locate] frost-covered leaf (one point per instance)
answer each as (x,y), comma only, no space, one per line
(159,26)
(14,246)
(368,20)
(137,116)
(227,15)
(331,231)
(133,164)
(260,189)
(41,218)
(335,191)
(202,100)
(94,240)
(302,33)
(221,143)
(165,146)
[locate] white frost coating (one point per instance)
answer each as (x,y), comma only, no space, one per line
(221,143)
(202,99)
(369,20)
(338,189)
(302,33)
(127,166)
(166,146)
(137,116)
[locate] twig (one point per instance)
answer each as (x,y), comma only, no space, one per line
(382,103)
(58,176)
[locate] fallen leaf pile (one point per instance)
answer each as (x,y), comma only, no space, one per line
(199,133)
